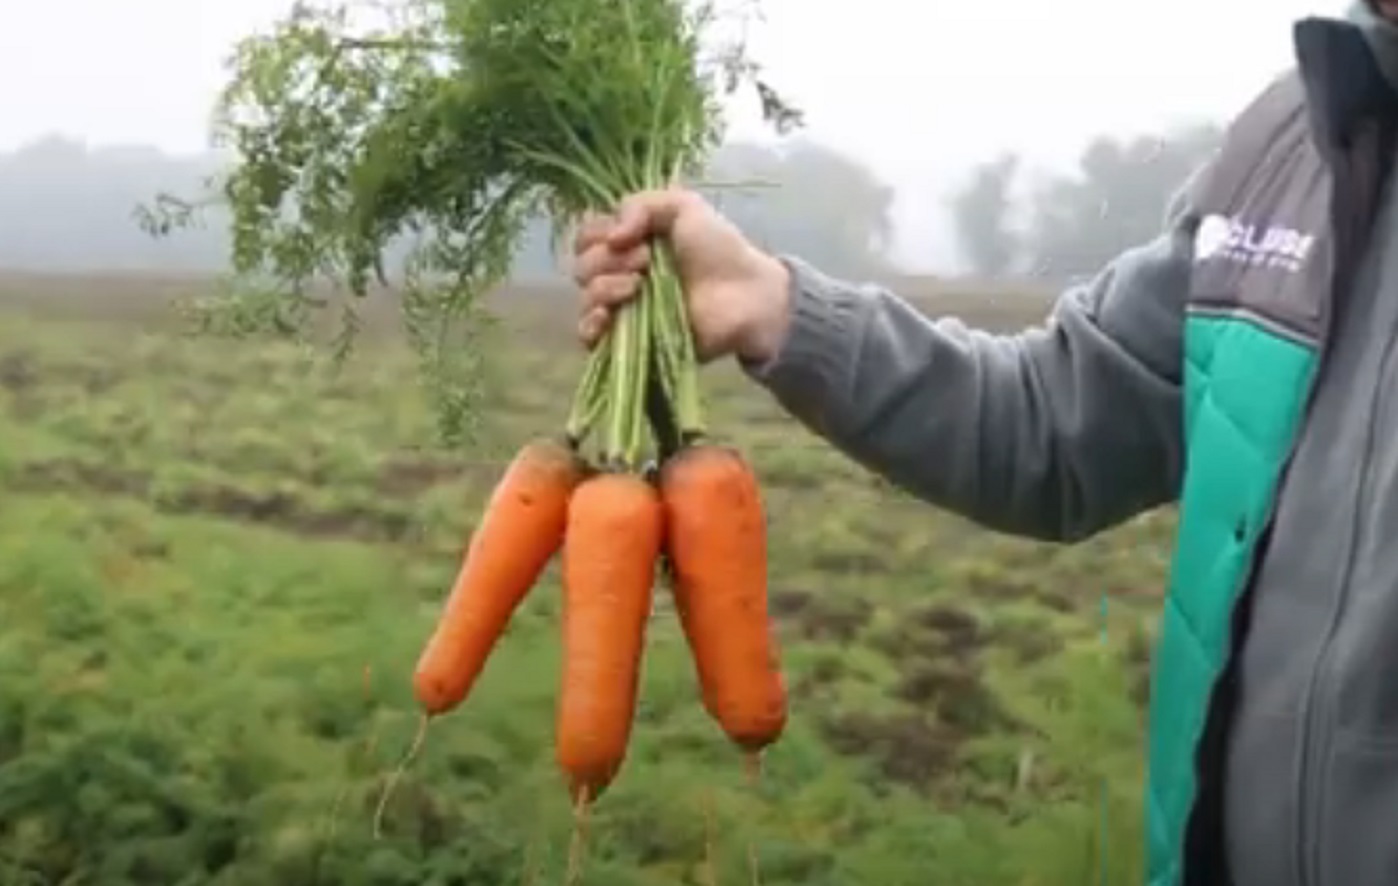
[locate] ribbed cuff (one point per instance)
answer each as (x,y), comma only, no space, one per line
(819,344)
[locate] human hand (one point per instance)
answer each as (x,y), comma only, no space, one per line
(736,295)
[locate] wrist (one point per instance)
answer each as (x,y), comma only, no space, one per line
(762,337)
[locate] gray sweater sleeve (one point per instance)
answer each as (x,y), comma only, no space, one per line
(1057,432)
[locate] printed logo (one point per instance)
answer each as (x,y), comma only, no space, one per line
(1239,242)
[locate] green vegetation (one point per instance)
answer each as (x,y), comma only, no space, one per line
(453,124)
(218,562)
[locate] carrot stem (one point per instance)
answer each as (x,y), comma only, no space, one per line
(675,339)
(660,411)
(666,350)
(640,378)
(621,371)
(616,366)
(628,376)
(589,399)
(662,395)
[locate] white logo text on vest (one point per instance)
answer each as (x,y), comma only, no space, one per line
(1234,240)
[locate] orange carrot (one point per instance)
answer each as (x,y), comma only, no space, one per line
(717,545)
(615,531)
(520,529)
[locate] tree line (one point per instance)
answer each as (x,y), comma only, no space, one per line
(1069,225)
(65,206)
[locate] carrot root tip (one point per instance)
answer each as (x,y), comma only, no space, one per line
(752,767)
(710,861)
(392,782)
(578,843)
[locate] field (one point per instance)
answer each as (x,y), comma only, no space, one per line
(218,561)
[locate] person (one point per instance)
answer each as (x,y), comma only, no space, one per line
(1241,365)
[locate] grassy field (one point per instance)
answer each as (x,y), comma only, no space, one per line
(218,562)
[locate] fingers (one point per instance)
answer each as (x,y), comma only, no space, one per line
(610,290)
(617,244)
(601,297)
(593,325)
(602,260)
(646,214)
(612,252)
(591,231)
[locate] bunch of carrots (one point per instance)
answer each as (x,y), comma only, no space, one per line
(454,122)
(634,490)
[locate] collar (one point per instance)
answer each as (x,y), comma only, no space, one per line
(1381,33)
(1344,64)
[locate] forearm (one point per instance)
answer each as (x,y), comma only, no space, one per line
(1056,432)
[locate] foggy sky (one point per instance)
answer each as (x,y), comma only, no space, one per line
(919,89)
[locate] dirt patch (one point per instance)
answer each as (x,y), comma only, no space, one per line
(821,617)
(787,604)
(71,474)
(960,631)
(1138,593)
(1138,661)
(992,580)
(99,379)
(286,512)
(798,478)
(825,672)
(881,534)
(1058,599)
(18,372)
(957,695)
(276,509)
(909,748)
(410,474)
(934,632)
(1030,643)
(850,562)
(937,651)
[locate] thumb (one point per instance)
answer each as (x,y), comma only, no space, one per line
(648,214)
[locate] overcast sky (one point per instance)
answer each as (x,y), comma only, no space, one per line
(917,88)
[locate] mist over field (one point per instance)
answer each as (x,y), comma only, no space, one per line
(220,554)
(68,206)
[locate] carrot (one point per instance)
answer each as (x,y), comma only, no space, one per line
(520,530)
(615,532)
(717,547)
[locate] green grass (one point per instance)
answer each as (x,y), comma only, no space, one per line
(218,563)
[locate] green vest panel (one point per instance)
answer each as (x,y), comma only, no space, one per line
(1245,388)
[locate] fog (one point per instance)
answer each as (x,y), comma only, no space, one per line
(919,92)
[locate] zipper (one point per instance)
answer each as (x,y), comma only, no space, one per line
(1348,226)
(1320,672)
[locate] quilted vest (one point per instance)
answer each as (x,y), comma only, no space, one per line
(1283,213)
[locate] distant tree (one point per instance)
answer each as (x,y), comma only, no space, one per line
(1115,199)
(981,212)
(67,206)
(808,199)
